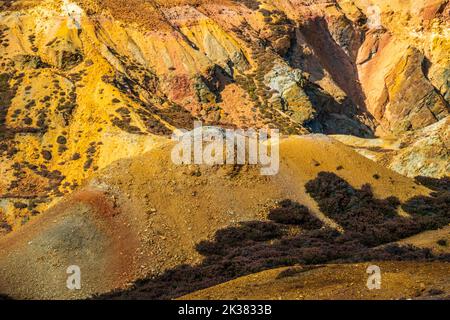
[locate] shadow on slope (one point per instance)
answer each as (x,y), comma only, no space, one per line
(294,236)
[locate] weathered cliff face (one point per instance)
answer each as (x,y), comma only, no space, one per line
(404,63)
(404,67)
(84,83)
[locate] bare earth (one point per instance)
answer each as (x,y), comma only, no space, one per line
(400,280)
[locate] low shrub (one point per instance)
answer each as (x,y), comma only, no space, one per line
(294,214)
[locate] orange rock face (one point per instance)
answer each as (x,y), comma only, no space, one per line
(87,84)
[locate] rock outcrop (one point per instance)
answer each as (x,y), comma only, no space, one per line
(85,83)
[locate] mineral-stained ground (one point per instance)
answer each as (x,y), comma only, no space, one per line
(92,90)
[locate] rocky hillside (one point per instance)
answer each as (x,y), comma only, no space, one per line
(90,89)
(147,228)
(85,83)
